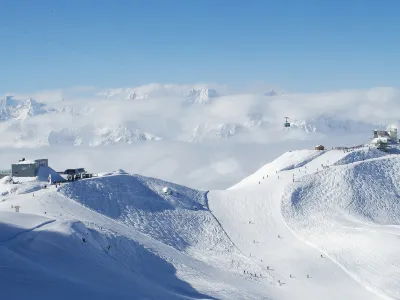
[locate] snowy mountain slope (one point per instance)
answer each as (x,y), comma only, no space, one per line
(122,231)
(287,161)
(360,155)
(251,215)
(352,214)
(55,253)
(11,108)
(180,220)
(135,265)
(139,202)
(13,224)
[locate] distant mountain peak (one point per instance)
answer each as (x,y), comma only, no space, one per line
(122,93)
(135,96)
(270,93)
(201,95)
(122,134)
(11,108)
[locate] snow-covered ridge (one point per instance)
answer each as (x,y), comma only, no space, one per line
(11,108)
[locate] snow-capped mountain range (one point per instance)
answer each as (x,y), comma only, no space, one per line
(184,114)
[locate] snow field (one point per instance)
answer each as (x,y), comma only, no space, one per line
(193,252)
(119,236)
(352,214)
(270,241)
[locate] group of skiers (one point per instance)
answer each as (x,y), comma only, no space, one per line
(251,274)
(268,267)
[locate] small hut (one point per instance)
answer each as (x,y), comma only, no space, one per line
(319,147)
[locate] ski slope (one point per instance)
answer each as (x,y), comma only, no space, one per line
(251,214)
(119,237)
(309,225)
(352,214)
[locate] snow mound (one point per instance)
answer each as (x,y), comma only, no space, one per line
(121,172)
(6,180)
(360,155)
(116,172)
(180,220)
(18,188)
(368,191)
(352,214)
(102,174)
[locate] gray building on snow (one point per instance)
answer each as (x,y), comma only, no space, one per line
(25,168)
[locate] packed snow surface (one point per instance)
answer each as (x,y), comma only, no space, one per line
(120,237)
(308,225)
(337,223)
(352,214)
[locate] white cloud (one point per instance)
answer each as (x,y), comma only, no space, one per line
(232,120)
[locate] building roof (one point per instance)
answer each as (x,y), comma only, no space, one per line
(25,162)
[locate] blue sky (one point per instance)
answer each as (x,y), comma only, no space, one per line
(296,45)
